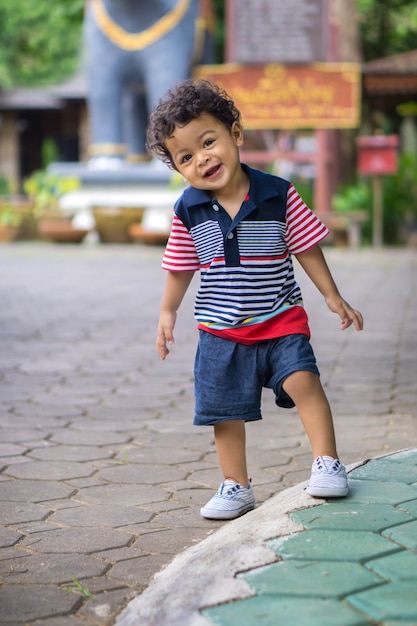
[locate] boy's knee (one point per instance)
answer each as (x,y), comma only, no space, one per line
(301,381)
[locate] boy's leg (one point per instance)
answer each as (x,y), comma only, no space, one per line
(235,495)
(306,391)
(328,475)
(230,438)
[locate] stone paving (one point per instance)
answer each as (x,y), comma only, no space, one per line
(102,473)
(354,563)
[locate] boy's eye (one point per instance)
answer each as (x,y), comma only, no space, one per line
(208,142)
(186,158)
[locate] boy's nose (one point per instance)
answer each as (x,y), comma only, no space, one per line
(202,158)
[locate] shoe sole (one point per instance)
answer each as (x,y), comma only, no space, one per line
(226,515)
(327,493)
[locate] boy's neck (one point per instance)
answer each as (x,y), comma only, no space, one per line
(231,199)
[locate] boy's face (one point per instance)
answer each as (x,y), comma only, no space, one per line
(206,152)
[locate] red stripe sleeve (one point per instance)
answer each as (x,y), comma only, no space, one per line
(180,253)
(304,229)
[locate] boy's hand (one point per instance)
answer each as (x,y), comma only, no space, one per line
(165,333)
(348,315)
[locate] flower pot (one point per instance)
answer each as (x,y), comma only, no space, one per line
(60,231)
(8,233)
(140,235)
(112,223)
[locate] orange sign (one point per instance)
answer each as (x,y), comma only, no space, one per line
(321,95)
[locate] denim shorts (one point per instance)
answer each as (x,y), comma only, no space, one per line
(229,376)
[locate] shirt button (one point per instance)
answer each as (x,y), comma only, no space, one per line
(215,207)
(230,236)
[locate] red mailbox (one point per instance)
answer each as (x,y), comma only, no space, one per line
(377,154)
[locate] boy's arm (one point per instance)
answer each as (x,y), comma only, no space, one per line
(314,264)
(176,286)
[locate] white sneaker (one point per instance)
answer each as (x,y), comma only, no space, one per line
(328,478)
(231,500)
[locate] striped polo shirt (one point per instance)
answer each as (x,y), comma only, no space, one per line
(247,291)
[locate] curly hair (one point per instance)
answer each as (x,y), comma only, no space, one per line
(183,103)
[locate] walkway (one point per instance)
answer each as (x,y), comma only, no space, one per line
(102,473)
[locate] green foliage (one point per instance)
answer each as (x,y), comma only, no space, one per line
(4,185)
(45,189)
(9,216)
(39,41)
(387,27)
(399,198)
(49,152)
(355,198)
(219,35)
(78,587)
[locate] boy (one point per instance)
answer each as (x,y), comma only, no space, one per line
(239,227)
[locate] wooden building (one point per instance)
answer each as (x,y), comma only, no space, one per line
(29,116)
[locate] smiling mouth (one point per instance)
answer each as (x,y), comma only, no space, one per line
(212,171)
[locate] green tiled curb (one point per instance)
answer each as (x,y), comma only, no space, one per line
(355,562)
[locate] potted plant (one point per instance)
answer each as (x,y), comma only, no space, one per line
(45,190)
(10,221)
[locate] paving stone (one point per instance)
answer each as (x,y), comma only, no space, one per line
(28,528)
(50,470)
(169,541)
(69,540)
(101,516)
(346,515)
(184,518)
(11,449)
(68,620)
(310,578)
(27,603)
(47,568)
(18,512)
(399,566)
(136,571)
(14,460)
(15,552)
(399,623)
(395,600)
(140,571)
(409,507)
(285,611)
(152,456)
(386,469)
(105,605)
(70,453)
(70,400)
(333,545)
(406,534)
(122,494)
(9,537)
(376,491)
(21,435)
(89,438)
(405,457)
(121,554)
(148,474)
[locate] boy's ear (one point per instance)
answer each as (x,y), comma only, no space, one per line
(237,133)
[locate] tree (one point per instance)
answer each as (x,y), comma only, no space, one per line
(387,27)
(40,42)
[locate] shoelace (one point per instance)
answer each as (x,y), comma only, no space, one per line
(230,490)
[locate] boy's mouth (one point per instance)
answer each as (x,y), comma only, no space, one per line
(212,171)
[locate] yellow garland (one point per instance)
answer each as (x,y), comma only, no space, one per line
(137,41)
(114,149)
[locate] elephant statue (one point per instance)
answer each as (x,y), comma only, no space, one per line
(136,50)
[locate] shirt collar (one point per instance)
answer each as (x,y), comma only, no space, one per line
(262,186)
